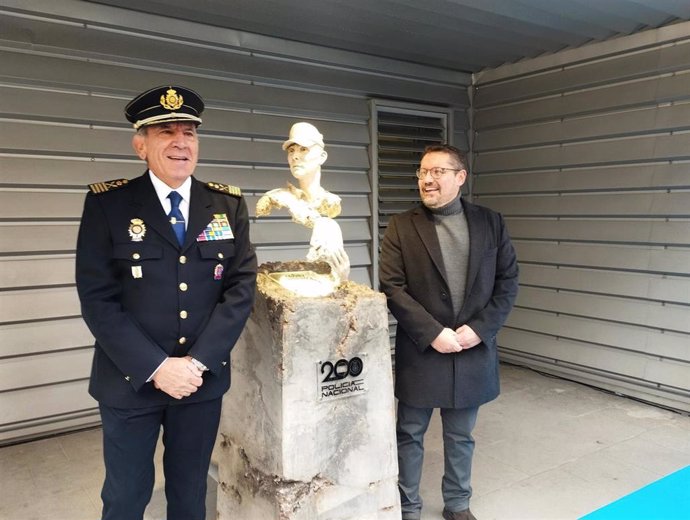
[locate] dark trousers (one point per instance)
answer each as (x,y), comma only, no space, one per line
(458,448)
(129,443)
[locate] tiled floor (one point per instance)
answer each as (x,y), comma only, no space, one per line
(546,449)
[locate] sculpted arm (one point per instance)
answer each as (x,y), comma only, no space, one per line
(282,198)
(268,201)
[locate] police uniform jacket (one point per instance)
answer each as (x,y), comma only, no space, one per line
(145,298)
(413,278)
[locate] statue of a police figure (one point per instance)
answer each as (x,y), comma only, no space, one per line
(310,204)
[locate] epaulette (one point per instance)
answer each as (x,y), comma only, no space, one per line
(102,187)
(225,188)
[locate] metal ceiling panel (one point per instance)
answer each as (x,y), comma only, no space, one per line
(461,35)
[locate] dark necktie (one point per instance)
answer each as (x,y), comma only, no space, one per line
(175,216)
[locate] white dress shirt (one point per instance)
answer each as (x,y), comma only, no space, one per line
(163,190)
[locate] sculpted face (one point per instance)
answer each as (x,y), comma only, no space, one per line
(171,150)
(305,161)
(436,193)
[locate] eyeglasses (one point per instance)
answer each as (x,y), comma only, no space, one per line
(434,172)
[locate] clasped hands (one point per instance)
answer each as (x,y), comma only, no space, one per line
(178,377)
(327,244)
(449,340)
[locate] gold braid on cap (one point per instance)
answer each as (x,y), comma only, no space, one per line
(173,116)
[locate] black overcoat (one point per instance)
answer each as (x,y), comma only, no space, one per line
(413,278)
(145,298)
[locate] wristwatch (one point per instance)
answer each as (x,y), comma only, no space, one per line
(198,364)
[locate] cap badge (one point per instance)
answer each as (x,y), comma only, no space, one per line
(171,100)
(137,229)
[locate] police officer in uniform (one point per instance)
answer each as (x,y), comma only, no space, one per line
(166,277)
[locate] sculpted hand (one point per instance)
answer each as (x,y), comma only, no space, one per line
(327,245)
(447,342)
(178,377)
(467,337)
(340,263)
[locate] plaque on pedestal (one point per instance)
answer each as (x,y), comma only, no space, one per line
(308,430)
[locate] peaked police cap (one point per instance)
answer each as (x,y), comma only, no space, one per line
(165,104)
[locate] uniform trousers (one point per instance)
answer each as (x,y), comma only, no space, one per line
(129,442)
(458,447)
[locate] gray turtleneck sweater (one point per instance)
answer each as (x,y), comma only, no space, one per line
(454,239)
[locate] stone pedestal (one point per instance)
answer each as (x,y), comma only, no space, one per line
(307,431)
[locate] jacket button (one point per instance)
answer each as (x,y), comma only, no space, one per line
(183,286)
(183,315)
(136,256)
(127,378)
(220,255)
(224,363)
(182,340)
(444,296)
(183,259)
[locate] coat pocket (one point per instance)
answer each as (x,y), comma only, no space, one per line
(217,250)
(137,252)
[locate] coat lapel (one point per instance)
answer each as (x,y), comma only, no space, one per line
(200,212)
(424,224)
(477,230)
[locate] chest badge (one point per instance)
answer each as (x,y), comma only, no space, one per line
(137,229)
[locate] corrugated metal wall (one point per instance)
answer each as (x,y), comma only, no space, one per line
(66,71)
(587,154)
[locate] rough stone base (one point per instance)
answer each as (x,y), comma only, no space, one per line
(283,452)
